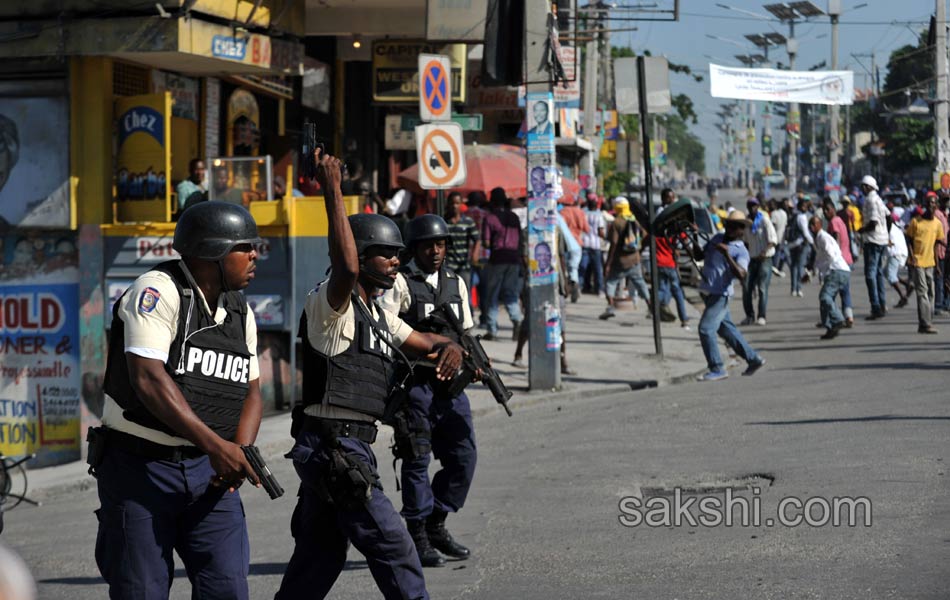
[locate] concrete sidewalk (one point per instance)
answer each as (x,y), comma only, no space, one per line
(609,357)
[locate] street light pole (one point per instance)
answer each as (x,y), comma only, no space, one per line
(794,116)
(942,128)
(834,153)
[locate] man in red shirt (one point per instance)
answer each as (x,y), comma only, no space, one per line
(577,223)
(668,273)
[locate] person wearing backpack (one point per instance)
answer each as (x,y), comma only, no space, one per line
(623,259)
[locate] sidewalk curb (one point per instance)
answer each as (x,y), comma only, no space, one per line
(80,480)
(527,399)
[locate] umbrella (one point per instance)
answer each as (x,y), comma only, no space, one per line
(488,166)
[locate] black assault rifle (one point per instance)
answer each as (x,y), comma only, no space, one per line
(267,479)
(475,360)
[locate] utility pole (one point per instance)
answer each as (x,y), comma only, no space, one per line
(648,195)
(834,144)
(942,128)
(591,63)
(544,318)
(794,117)
(749,129)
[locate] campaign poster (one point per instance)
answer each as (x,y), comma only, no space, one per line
(833,180)
(542,217)
(40,379)
(552,328)
(540,123)
(544,182)
(34,162)
(941,182)
(542,259)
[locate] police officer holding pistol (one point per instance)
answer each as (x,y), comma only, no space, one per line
(439,420)
(349,346)
(182,396)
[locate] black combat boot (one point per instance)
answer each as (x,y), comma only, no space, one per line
(441,539)
(428,556)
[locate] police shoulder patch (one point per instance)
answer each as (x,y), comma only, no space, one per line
(149,300)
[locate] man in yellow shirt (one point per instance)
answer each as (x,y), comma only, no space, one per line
(923,234)
(854,211)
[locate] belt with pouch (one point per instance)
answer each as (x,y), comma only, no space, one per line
(340,428)
(149,449)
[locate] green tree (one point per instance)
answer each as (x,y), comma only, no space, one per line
(908,140)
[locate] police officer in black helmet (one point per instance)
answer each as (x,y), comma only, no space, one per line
(439,423)
(349,349)
(182,396)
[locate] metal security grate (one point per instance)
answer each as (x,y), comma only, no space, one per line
(130,80)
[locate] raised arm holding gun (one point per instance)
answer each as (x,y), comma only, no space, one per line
(349,344)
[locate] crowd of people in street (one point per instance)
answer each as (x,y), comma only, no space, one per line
(902,246)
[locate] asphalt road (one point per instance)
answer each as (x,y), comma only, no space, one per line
(864,415)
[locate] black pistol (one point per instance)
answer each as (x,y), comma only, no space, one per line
(267,479)
(309,143)
(475,360)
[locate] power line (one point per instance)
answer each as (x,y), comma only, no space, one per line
(768,20)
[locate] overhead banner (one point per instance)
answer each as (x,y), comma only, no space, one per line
(806,87)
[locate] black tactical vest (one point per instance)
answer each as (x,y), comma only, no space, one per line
(359,378)
(209,363)
(422,314)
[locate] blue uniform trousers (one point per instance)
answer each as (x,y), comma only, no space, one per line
(453,444)
(150,508)
(322,532)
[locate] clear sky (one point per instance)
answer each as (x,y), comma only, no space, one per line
(879,27)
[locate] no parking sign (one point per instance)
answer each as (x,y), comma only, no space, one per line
(435,88)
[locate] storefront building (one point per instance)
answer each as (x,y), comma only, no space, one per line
(100,115)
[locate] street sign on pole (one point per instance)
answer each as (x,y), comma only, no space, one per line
(435,87)
(469,122)
(441,158)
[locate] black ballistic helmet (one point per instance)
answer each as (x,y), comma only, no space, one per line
(209,230)
(374,230)
(426,227)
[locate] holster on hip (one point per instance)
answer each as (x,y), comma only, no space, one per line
(412,435)
(347,482)
(96,437)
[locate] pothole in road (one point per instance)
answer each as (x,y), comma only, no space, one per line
(711,486)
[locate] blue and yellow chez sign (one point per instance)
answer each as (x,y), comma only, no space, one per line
(143,166)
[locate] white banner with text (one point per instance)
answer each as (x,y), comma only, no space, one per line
(806,87)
